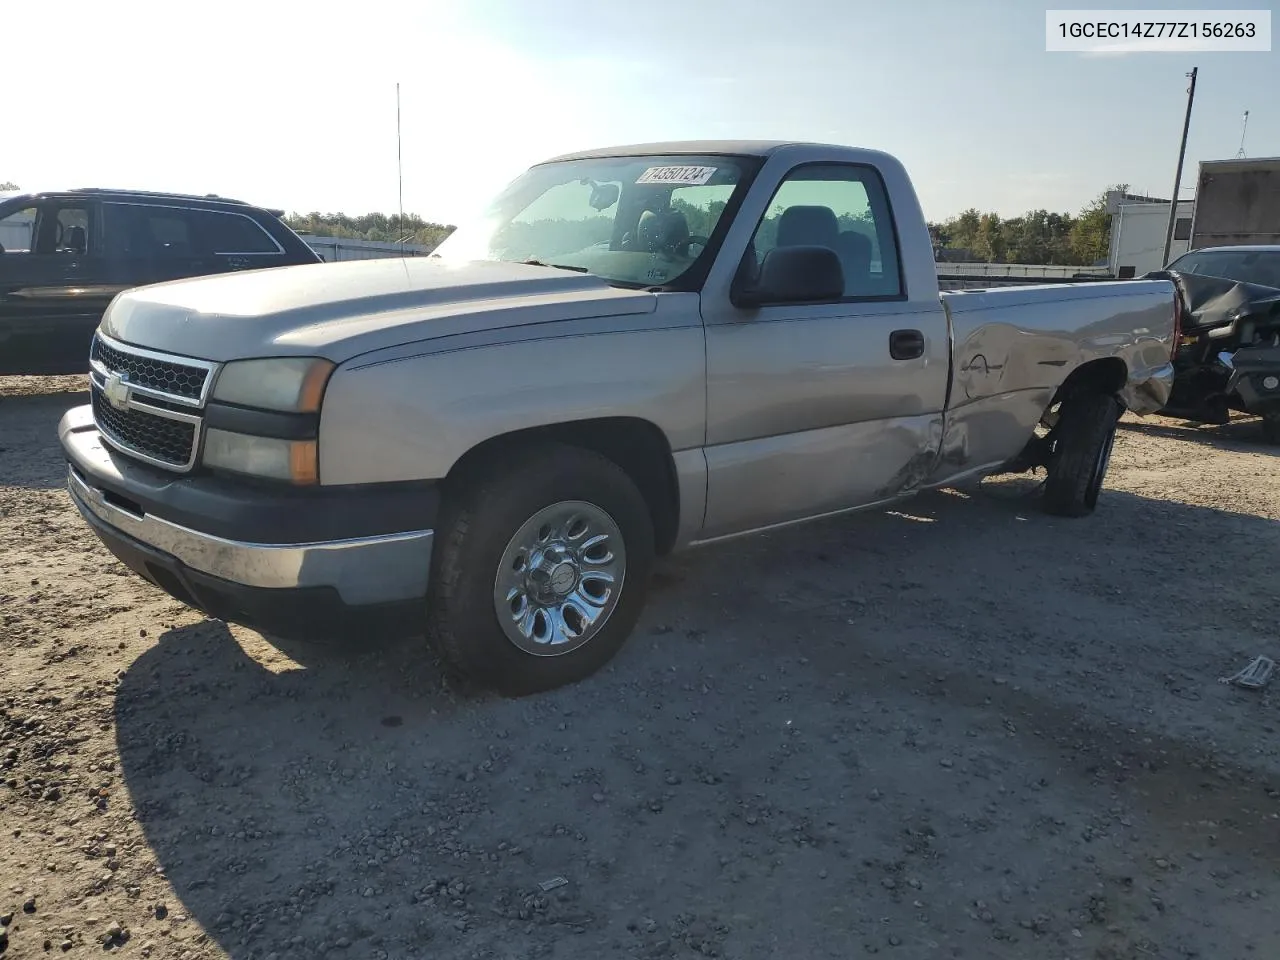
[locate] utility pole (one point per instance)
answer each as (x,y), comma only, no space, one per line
(1177,177)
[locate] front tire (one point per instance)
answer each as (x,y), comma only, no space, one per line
(541,569)
(1080,454)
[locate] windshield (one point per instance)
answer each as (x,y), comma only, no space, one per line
(634,221)
(1244,266)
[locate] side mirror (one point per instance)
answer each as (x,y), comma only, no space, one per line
(794,275)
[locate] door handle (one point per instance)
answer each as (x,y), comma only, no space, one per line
(906,344)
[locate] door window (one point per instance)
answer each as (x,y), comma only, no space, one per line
(139,232)
(17,231)
(231,233)
(843,207)
(71,231)
(50,228)
(134,230)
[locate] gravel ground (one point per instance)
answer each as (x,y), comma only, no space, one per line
(957,729)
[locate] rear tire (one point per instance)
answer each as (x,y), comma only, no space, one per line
(1081,454)
(527,553)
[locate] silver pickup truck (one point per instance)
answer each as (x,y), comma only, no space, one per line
(633,351)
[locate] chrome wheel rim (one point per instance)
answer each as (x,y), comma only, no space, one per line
(559,578)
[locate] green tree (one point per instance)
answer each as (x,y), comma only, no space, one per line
(990,243)
(1091,233)
(9,185)
(371,226)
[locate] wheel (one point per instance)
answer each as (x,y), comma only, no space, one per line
(541,569)
(1080,454)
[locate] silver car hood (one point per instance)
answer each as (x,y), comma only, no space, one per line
(341,310)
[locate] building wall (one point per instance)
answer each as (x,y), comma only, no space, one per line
(1138,232)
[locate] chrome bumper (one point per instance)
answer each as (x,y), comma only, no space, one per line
(372,570)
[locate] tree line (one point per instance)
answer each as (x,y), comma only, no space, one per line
(382,227)
(1037,236)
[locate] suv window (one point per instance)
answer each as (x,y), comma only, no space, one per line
(17,231)
(139,231)
(231,233)
(844,207)
(154,231)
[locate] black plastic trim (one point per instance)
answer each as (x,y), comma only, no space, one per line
(262,423)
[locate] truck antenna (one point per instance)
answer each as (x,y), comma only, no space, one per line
(1244,128)
(400,170)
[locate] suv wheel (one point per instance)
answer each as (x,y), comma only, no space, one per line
(541,570)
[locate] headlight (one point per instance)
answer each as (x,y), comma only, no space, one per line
(293,460)
(286,384)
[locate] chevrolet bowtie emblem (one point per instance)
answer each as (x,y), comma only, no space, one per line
(117,390)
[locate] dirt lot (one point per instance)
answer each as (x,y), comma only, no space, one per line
(961,729)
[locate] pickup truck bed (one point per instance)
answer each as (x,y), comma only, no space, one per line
(690,342)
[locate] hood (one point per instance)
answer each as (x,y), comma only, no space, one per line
(1210,302)
(341,310)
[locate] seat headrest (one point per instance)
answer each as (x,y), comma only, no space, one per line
(75,239)
(808,226)
(855,244)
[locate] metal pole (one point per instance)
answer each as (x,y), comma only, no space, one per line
(1177,177)
(400,170)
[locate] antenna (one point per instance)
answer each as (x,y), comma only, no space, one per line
(1244,128)
(400,169)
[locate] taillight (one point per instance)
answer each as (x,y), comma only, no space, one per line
(1177,323)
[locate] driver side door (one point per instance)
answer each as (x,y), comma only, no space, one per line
(819,407)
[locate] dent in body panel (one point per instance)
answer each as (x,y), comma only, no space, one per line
(984,434)
(414,418)
(1033,340)
(771,480)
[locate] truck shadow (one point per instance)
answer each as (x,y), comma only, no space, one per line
(357,799)
(1241,434)
(30,455)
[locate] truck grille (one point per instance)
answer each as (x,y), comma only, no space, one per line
(147,370)
(148,405)
(172,442)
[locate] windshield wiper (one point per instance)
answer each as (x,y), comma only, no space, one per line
(556,266)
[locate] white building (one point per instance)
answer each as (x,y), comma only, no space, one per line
(1138,233)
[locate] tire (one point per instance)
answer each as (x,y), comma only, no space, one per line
(1081,454)
(490,548)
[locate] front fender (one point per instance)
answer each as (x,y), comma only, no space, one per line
(414,417)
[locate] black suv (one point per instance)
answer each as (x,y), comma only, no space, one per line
(64,256)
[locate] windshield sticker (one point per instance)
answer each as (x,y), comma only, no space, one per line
(684,176)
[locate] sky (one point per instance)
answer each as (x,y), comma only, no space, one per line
(293,105)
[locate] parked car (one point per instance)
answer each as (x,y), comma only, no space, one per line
(1229,357)
(635,351)
(63,256)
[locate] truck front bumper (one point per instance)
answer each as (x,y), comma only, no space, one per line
(297,564)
